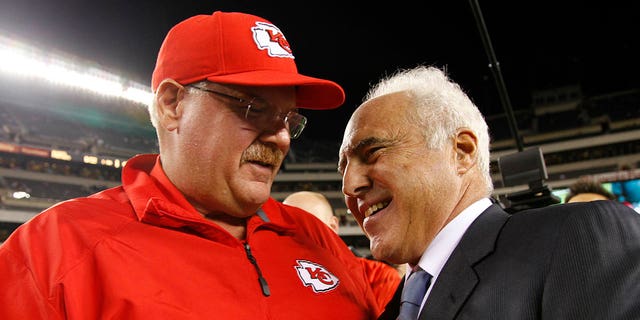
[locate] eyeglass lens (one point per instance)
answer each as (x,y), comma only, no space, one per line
(263,117)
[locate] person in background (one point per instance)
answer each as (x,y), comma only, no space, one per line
(587,189)
(627,192)
(192,232)
(317,204)
(384,278)
(415,167)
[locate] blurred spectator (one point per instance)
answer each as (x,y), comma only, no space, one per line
(628,192)
(587,189)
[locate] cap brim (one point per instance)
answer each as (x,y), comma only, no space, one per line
(312,93)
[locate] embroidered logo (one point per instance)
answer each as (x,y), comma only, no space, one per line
(269,37)
(316,276)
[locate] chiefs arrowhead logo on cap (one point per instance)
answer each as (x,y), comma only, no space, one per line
(316,276)
(241,49)
(269,37)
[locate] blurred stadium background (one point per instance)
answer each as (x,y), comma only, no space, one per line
(67,126)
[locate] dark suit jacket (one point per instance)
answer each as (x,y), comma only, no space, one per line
(571,261)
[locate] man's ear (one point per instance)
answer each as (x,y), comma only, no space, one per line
(168,98)
(466,150)
(334,224)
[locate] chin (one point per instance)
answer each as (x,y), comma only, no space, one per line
(378,250)
(257,191)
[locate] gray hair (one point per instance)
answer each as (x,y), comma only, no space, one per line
(442,107)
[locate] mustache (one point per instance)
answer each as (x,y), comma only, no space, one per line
(263,154)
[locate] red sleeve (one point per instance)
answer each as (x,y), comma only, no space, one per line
(21,297)
(384,280)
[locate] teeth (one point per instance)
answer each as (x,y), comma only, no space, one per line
(374,208)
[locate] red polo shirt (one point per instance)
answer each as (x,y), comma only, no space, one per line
(141,251)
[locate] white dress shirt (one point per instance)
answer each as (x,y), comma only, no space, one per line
(437,253)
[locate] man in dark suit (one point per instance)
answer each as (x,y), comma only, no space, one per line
(415,166)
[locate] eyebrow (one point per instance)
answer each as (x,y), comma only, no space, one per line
(355,149)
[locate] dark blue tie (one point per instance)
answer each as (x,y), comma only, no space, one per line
(412,294)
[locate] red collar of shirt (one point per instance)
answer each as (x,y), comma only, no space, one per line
(158,202)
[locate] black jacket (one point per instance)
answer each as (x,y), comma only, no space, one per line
(569,261)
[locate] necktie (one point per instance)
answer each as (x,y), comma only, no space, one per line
(412,294)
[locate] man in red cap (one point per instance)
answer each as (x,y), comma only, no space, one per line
(192,233)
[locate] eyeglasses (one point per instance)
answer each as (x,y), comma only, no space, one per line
(261,116)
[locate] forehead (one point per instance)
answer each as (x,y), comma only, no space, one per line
(381,116)
(387,121)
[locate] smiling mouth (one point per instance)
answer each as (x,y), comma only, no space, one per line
(375,208)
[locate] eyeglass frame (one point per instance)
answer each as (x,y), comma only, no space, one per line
(262,120)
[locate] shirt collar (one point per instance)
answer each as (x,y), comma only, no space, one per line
(157,201)
(437,253)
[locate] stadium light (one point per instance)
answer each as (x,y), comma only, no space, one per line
(20,195)
(23,60)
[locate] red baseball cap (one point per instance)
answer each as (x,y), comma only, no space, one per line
(242,49)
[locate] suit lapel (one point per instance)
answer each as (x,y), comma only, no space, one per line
(457,279)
